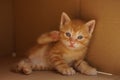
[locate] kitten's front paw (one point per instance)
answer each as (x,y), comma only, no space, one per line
(54,35)
(91,72)
(67,71)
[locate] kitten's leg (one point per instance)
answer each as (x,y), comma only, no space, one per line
(48,37)
(85,68)
(61,66)
(41,67)
(24,66)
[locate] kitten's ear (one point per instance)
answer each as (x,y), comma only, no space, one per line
(64,19)
(90,25)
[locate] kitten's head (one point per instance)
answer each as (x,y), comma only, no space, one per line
(75,34)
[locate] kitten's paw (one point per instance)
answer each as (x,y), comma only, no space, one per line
(54,35)
(48,37)
(67,71)
(24,67)
(91,72)
(27,71)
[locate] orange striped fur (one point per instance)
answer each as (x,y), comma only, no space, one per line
(62,50)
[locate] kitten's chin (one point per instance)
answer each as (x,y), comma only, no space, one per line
(72,48)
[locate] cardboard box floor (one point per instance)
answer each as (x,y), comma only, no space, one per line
(6,74)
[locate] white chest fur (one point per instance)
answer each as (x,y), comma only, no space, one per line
(71,56)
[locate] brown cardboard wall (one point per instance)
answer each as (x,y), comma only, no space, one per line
(38,16)
(6,27)
(104,52)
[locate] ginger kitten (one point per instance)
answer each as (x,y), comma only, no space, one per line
(62,50)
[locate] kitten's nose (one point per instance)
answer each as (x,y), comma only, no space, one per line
(72,41)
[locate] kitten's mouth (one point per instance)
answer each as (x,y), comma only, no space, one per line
(71,45)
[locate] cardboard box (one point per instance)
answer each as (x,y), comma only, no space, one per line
(22,21)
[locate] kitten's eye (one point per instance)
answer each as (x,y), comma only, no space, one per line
(80,37)
(68,34)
